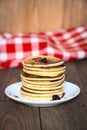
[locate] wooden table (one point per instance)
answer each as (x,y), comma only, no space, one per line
(71,115)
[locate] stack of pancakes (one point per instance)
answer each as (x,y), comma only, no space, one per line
(42,78)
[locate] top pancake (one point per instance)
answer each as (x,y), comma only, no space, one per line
(42,61)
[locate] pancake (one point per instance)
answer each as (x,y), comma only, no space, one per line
(45,90)
(44,86)
(41,83)
(36,78)
(40,96)
(42,77)
(44,73)
(42,61)
(47,69)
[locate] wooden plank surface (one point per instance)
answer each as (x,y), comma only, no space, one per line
(41,15)
(7,77)
(71,115)
(14,116)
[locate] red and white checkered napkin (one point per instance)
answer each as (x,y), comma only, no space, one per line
(67,44)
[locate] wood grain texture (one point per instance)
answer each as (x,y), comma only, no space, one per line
(8,77)
(14,116)
(38,15)
(71,115)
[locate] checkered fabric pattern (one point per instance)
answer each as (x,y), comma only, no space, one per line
(67,44)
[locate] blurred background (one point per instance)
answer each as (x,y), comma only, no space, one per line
(41,15)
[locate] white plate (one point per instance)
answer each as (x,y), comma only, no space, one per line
(71,91)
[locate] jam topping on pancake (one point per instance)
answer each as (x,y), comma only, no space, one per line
(40,60)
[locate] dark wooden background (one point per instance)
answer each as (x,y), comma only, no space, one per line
(41,15)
